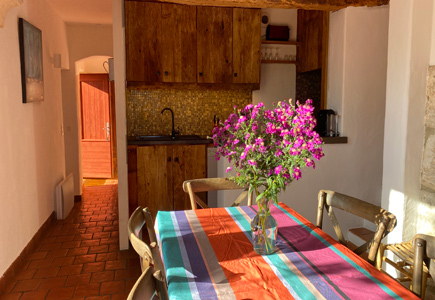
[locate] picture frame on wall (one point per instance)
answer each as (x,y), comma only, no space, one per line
(32,76)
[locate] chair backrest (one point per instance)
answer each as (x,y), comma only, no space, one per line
(213,184)
(149,254)
(424,249)
(149,284)
(384,220)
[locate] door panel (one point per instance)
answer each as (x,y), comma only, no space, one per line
(154,177)
(215,44)
(189,163)
(95,115)
(178,43)
(246,45)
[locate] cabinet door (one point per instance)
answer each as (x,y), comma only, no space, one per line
(178,43)
(154,175)
(246,45)
(142,40)
(132,178)
(215,45)
(189,163)
(310,35)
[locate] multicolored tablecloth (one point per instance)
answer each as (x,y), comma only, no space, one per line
(208,255)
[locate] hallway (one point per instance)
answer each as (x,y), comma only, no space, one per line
(79,257)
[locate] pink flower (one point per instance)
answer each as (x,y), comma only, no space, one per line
(278,170)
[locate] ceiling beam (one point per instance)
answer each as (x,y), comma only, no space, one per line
(303,4)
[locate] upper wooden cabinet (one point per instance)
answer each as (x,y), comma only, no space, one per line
(192,44)
(215,44)
(312,35)
(246,45)
(160,42)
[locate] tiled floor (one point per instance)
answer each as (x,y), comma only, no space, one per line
(79,257)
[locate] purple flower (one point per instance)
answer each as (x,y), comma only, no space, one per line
(278,170)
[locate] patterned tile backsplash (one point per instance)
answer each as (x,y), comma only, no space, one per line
(193,109)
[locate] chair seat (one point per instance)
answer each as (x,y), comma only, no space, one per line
(405,252)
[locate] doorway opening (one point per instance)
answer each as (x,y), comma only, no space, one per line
(97,122)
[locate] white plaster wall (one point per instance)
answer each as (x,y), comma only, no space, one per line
(278,81)
(84,41)
(409,56)
(121,119)
(32,151)
(357,79)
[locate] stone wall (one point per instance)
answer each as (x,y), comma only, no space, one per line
(426,207)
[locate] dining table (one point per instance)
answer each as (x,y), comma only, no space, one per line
(208,254)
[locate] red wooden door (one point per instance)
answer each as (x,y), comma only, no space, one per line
(96,142)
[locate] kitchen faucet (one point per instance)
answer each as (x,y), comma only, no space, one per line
(173,128)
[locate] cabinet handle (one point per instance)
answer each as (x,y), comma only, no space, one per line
(176,159)
(169,158)
(235,74)
(200,74)
(158,73)
(166,73)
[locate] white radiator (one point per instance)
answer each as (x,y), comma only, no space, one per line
(64,197)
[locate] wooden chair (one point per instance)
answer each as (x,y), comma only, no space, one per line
(149,284)
(149,254)
(424,249)
(213,184)
(384,220)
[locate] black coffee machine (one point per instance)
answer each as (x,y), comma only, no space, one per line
(327,123)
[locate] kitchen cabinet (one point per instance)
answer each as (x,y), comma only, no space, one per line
(174,43)
(160,42)
(312,36)
(132,177)
(246,45)
(215,41)
(161,171)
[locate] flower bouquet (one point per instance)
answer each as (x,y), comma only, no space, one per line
(268,148)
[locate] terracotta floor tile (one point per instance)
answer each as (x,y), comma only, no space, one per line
(127,274)
(25,274)
(37,255)
(102,276)
(63,261)
(93,267)
(112,287)
(63,293)
(64,238)
(102,235)
(40,263)
(81,237)
(78,251)
(88,243)
(105,297)
(116,264)
(121,296)
(81,279)
(72,244)
(50,283)
(99,249)
(51,246)
(87,290)
(36,295)
(27,285)
(14,296)
(70,270)
(57,253)
(107,256)
(82,259)
(47,272)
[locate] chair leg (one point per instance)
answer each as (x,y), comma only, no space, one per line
(379,257)
(423,284)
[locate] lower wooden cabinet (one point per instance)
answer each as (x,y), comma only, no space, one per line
(161,171)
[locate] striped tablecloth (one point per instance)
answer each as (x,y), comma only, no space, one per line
(208,255)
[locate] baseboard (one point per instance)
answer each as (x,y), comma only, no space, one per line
(17,263)
(77,198)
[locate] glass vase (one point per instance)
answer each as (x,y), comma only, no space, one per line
(264,229)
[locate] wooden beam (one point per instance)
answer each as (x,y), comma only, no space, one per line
(294,4)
